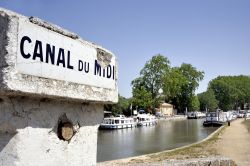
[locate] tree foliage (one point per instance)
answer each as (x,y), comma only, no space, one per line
(188,78)
(145,89)
(178,84)
(142,98)
(208,101)
(173,84)
(231,91)
(154,72)
(195,104)
(122,107)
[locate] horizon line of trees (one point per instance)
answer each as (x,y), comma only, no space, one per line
(159,82)
(226,93)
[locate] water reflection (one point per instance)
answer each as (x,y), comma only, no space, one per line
(115,144)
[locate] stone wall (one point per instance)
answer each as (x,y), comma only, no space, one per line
(29,132)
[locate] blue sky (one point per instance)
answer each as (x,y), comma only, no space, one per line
(212,35)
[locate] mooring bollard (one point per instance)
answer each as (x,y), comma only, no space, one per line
(53,86)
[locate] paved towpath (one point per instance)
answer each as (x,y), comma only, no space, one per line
(235,143)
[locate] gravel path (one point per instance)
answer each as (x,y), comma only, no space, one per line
(235,143)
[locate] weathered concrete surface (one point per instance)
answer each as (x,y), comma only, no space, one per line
(12,82)
(28,132)
(208,161)
(37,98)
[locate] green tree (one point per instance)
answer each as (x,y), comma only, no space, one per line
(178,84)
(192,77)
(142,98)
(195,104)
(173,84)
(207,100)
(151,80)
(154,72)
(122,107)
(231,91)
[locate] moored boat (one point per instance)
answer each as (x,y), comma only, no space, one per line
(200,115)
(196,115)
(191,115)
(118,122)
(217,118)
(146,120)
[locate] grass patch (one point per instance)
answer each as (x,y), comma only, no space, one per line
(247,124)
(202,149)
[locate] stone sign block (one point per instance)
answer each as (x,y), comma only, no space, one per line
(53,87)
(41,59)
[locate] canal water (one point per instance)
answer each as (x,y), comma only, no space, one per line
(122,143)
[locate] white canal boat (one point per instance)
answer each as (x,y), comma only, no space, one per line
(217,118)
(146,120)
(196,115)
(118,122)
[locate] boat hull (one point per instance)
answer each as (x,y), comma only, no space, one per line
(213,123)
(146,120)
(113,127)
(146,123)
(191,117)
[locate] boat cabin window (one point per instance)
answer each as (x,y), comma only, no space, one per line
(122,121)
(213,114)
(116,121)
(242,112)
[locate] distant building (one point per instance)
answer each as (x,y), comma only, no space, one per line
(166,109)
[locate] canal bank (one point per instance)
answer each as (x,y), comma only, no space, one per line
(166,135)
(200,149)
(207,151)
